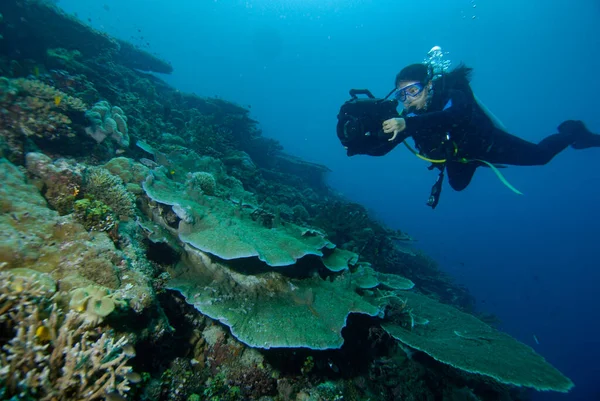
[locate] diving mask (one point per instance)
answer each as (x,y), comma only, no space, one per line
(412,90)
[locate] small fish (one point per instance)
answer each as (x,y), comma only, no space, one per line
(36,71)
(133,377)
(115,396)
(148,162)
(536,339)
(43,334)
(129,350)
(57,100)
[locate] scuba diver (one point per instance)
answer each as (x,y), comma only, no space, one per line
(456,133)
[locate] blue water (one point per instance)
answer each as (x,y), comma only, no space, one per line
(530,259)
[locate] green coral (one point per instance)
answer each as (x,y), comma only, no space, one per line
(308,365)
(367,278)
(464,342)
(337,259)
(94,215)
(329,391)
(225,185)
(217,389)
(228,230)
(109,189)
(270,310)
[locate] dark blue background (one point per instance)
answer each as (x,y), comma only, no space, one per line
(532,259)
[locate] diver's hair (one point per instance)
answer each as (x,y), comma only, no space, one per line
(414,72)
(459,78)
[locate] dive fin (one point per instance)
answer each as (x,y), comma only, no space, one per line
(583,138)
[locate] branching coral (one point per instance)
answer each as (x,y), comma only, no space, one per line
(45,92)
(37,109)
(34,109)
(52,355)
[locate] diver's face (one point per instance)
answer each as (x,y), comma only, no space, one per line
(414,94)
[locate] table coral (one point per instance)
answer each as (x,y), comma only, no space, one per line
(270,310)
(227,230)
(464,342)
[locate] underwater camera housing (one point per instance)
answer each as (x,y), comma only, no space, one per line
(360,120)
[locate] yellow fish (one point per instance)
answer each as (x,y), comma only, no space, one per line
(43,334)
(57,100)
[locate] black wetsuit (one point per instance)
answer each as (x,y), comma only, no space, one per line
(457,129)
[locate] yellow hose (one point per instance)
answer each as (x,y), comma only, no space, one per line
(463,160)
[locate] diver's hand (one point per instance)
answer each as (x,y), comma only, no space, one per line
(395,126)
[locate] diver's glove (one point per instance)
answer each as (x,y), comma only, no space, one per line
(394,126)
